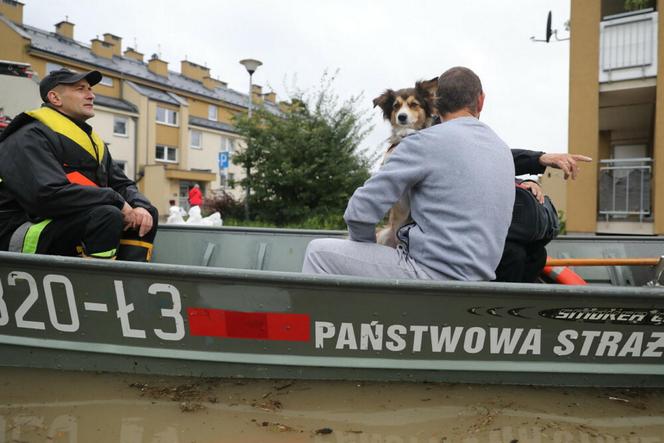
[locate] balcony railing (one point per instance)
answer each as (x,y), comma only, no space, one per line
(624,188)
(628,46)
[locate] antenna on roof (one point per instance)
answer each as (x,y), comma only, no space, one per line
(135,44)
(66,18)
(159,50)
(549,32)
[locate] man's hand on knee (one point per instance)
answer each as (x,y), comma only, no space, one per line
(137,218)
(128,216)
(143,221)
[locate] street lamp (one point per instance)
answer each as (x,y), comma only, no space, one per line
(250,65)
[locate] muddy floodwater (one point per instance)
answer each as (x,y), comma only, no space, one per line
(55,406)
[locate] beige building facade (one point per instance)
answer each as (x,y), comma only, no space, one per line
(165,128)
(616,116)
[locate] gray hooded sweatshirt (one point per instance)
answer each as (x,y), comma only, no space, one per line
(459,176)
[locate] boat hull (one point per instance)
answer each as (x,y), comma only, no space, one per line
(67,313)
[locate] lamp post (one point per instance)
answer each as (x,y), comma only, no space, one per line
(250,65)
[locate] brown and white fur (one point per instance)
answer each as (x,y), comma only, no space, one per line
(408,110)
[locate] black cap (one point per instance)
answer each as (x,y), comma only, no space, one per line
(65,77)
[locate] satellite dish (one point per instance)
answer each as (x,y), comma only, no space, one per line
(549,32)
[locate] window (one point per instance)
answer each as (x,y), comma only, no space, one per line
(166,154)
(50,67)
(121,164)
(106,81)
(195,138)
(120,126)
(227,144)
(212,112)
(167,116)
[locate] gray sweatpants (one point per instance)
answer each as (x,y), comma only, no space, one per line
(347,257)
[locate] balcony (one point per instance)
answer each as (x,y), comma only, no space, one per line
(624,189)
(628,46)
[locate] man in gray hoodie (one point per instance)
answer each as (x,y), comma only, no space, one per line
(459,177)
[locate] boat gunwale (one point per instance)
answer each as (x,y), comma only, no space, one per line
(233,275)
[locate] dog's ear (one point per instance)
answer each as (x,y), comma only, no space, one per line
(385,101)
(430,86)
(426,92)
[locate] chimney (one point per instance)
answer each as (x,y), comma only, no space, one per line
(65,29)
(270,97)
(256,93)
(284,106)
(158,66)
(101,48)
(13,10)
(115,41)
(133,54)
(194,71)
(213,83)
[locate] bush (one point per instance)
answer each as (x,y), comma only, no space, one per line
(563,223)
(331,222)
(222,202)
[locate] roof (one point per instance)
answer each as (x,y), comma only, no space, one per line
(55,44)
(205,123)
(115,103)
(156,94)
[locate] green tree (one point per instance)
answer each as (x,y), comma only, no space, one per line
(635,5)
(305,162)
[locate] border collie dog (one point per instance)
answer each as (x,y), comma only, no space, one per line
(408,110)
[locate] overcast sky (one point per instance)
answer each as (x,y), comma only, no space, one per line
(375,45)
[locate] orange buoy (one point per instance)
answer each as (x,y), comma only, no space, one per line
(563,275)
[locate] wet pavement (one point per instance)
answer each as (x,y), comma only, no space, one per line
(57,406)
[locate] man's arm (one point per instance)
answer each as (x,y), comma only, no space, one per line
(35,177)
(124,186)
(536,162)
(567,162)
(135,209)
(527,162)
(368,205)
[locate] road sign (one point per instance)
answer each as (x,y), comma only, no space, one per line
(223,159)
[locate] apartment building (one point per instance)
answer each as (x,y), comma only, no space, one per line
(166,129)
(617,117)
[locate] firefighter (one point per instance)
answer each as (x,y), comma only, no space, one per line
(60,192)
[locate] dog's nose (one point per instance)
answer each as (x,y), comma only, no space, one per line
(402,118)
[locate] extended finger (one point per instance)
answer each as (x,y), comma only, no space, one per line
(582,158)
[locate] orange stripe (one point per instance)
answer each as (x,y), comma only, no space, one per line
(80,179)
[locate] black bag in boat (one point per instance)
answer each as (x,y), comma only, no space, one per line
(531,220)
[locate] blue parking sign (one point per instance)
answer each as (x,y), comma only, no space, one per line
(223,160)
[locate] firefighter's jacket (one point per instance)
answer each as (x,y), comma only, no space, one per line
(52,167)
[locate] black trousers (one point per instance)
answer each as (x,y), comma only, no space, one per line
(521,263)
(98,233)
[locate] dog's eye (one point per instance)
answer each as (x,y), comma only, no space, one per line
(396,105)
(414,104)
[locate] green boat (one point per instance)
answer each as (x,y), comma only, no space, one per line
(230,302)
